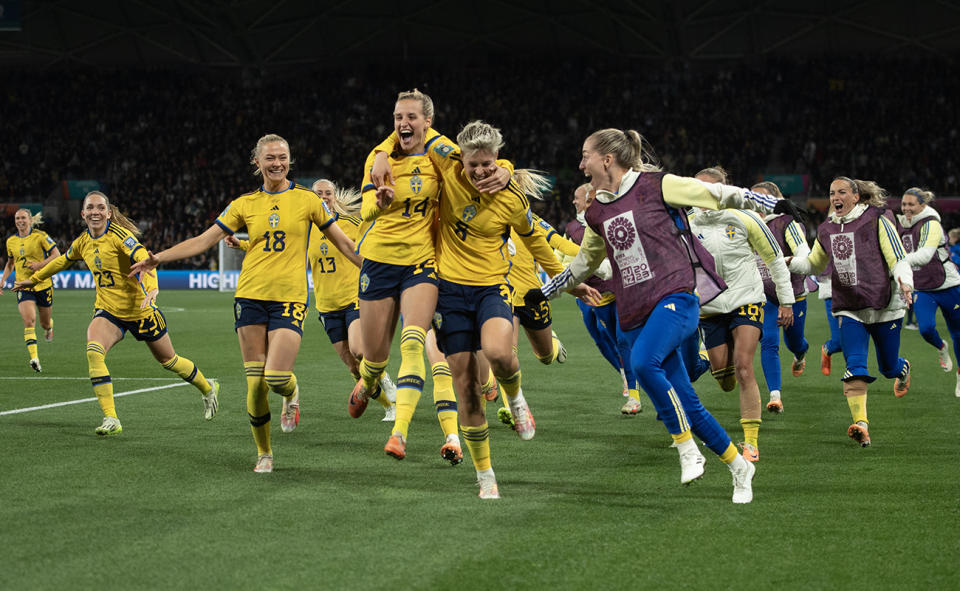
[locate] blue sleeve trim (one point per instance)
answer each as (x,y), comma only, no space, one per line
(139,246)
(225,228)
(370,187)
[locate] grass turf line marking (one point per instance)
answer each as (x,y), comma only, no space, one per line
(69,402)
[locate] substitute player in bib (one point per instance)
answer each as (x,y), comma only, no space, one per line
(270,303)
(109,247)
(731,324)
(399,277)
(936,280)
(871,283)
(791,238)
(28,251)
(638,222)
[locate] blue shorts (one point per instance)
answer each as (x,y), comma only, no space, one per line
(463,309)
(534,318)
(149,329)
(717,330)
(337,322)
(379,281)
(274,314)
(43,298)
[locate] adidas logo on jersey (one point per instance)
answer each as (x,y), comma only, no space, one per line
(416,170)
(275,208)
(671,307)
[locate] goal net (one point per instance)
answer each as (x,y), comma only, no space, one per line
(230,261)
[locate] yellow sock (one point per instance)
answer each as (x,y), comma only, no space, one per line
(727,378)
(410,377)
(681,437)
(491,382)
(634,393)
(858,407)
(730,454)
(283,383)
(370,372)
(751,430)
(478,442)
(100,378)
(189,371)
(30,338)
(258,408)
(510,384)
(444,398)
(552,356)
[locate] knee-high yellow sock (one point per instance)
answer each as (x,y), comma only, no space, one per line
(444,398)
(258,407)
(727,377)
(100,378)
(30,338)
(751,430)
(189,371)
(410,377)
(283,383)
(552,356)
(858,407)
(478,442)
(510,384)
(370,372)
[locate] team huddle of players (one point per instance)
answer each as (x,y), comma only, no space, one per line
(675,276)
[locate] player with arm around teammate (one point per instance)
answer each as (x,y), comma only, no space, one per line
(28,251)
(109,247)
(270,303)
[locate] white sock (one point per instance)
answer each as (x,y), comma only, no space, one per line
(774,394)
(738,463)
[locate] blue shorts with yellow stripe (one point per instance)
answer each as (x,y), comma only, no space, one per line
(274,314)
(463,309)
(379,281)
(337,322)
(717,330)
(150,328)
(43,298)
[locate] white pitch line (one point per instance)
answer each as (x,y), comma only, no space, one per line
(69,402)
(31,378)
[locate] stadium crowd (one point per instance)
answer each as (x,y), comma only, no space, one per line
(171,148)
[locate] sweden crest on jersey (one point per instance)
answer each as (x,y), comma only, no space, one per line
(469,212)
(274,220)
(324,248)
(416,184)
(364,282)
(730,232)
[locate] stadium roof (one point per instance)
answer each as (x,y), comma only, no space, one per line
(284,33)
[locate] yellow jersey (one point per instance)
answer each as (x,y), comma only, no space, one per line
(523,269)
(275,265)
(402,233)
(474,227)
(32,248)
(109,256)
(335,277)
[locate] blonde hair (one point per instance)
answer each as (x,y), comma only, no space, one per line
(35,218)
(115,214)
(922,196)
(869,191)
(954,234)
(533,183)
(346,199)
(255,153)
(477,136)
(769,186)
(717,172)
(426,103)
(629,148)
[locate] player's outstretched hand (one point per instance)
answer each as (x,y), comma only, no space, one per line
(232,242)
(25,284)
(589,295)
(380,172)
(384,196)
(150,298)
(146,265)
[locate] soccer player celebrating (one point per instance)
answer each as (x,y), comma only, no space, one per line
(865,251)
(936,278)
(637,221)
(791,238)
(28,251)
(731,323)
(271,299)
(109,247)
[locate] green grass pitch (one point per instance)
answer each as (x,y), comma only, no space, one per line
(593,501)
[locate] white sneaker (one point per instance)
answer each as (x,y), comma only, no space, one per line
(290,413)
(523,422)
(561,350)
(211,402)
(264,464)
(35,364)
(388,387)
(743,472)
(956,391)
(631,407)
(488,485)
(48,334)
(946,364)
(691,464)
(390,414)
(110,426)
